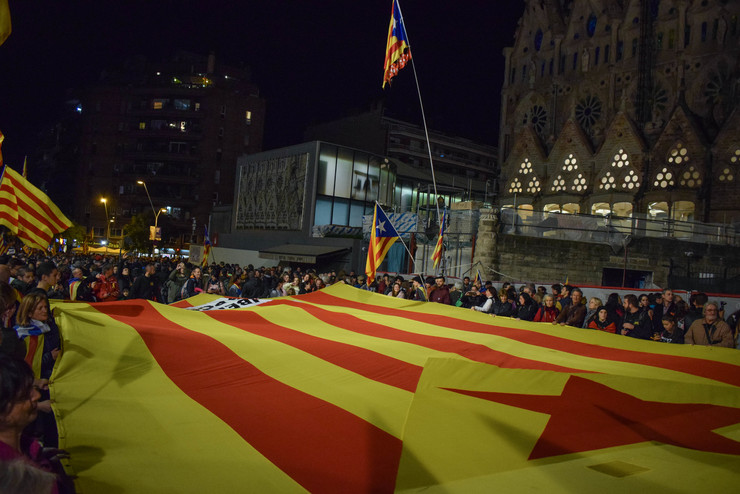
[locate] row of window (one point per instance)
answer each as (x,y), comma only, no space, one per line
(718,32)
(661,210)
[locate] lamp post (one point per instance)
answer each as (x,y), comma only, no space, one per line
(107,221)
(141,182)
(156,216)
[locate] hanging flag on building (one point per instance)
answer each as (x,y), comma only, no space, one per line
(382,236)
(344,390)
(206,248)
(439,248)
(397,50)
(26,211)
(5,26)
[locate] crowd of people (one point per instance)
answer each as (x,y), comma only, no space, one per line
(28,435)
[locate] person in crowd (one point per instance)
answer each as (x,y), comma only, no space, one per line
(384,285)
(602,321)
(418,292)
(105,286)
(10,344)
(397,290)
(124,278)
(547,312)
(441,292)
(456,293)
(696,309)
(565,297)
(527,308)
(636,323)
(466,285)
(472,297)
(213,284)
(593,304)
(487,305)
(175,282)
(193,285)
(24,281)
(671,332)
(667,307)
(615,307)
(33,320)
(574,312)
(147,286)
(710,330)
(503,306)
(644,300)
(48,275)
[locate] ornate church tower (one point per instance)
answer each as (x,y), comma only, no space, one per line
(627,107)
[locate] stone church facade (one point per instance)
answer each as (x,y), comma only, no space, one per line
(625,107)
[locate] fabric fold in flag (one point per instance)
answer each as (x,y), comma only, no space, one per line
(5,25)
(206,248)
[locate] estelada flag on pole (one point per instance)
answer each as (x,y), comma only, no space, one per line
(26,211)
(397,50)
(344,390)
(439,248)
(382,236)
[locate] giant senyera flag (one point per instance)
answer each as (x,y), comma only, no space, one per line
(26,211)
(5,25)
(345,390)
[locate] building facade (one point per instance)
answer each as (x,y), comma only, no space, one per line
(166,136)
(626,108)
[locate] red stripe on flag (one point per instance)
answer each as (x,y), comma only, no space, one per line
(33,343)
(718,371)
(321,446)
(472,351)
(367,363)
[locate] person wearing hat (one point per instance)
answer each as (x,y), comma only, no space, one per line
(418,292)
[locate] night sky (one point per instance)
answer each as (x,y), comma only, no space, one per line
(313,60)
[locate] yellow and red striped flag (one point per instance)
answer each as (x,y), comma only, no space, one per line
(397,50)
(5,25)
(26,211)
(344,390)
(382,236)
(439,248)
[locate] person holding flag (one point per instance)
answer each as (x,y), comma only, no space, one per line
(382,236)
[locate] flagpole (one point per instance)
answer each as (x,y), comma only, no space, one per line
(423,116)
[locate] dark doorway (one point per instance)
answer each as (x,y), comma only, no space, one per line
(632,278)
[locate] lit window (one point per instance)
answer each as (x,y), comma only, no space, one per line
(158,104)
(525,167)
(691,177)
(663,179)
(579,184)
(142,125)
(570,163)
(515,187)
(248,117)
(631,181)
(607,182)
(558,184)
(534,186)
(620,159)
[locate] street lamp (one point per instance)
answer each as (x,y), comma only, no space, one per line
(107,220)
(141,182)
(156,216)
